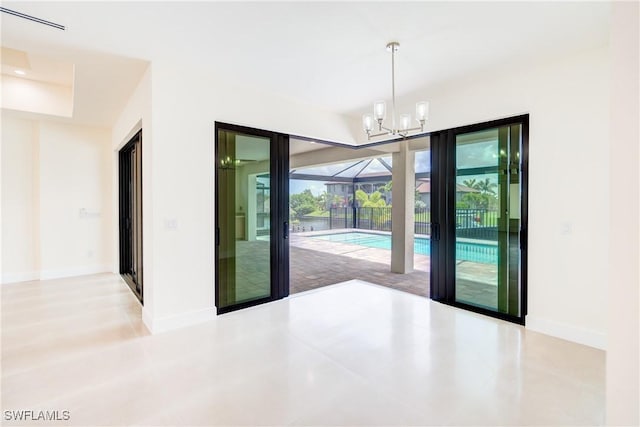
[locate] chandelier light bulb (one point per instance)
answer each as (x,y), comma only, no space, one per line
(422,111)
(405,121)
(367,122)
(380,110)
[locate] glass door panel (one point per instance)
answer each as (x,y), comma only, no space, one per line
(243,218)
(487,219)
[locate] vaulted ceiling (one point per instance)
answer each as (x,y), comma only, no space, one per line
(328,54)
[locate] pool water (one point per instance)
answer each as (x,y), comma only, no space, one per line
(475,252)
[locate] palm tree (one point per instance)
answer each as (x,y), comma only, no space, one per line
(471,183)
(486,187)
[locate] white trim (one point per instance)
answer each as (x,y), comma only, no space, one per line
(163,324)
(134,130)
(25,276)
(78,271)
(147,319)
(568,332)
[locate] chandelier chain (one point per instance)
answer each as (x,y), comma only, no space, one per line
(393,87)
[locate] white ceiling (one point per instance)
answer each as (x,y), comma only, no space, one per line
(36,67)
(328,54)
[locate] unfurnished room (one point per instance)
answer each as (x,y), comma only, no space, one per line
(320,213)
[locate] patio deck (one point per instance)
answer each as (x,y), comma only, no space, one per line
(315,263)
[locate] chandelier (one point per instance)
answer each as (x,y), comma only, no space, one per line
(380,110)
(229,163)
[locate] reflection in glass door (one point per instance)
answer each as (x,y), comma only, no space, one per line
(478,249)
(487,231)
(251,245)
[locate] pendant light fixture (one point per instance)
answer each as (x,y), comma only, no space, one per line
(401,128)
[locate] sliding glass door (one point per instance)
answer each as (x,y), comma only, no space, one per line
(130,213)
(251,217)
(480,249)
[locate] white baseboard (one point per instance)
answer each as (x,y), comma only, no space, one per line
(71,272)
(147,319)
(25,276)
(163,324)
(567,332)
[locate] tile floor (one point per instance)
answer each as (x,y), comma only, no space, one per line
(348,354)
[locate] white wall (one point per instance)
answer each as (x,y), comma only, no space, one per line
(623,347)
(36,97)
(75,174)
(568,104)
(568,222)
(50,172)
(184,112)
(19,204)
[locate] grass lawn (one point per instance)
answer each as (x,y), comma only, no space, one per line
(322,214)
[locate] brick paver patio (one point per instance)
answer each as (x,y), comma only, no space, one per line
(316,262)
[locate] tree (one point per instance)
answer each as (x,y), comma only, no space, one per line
(471,183)
(485,198)
(476,200)
(302,203)
(486,187)
(323,199)
(373,200)
(361,197)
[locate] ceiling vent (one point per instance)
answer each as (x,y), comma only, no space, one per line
(32,18)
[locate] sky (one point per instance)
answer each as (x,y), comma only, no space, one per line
(298,186)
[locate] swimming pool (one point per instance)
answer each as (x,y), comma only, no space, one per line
(475,252)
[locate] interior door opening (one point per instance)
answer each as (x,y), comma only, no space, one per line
(130,214)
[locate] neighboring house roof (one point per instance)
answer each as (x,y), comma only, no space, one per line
(424,187)
(464,189)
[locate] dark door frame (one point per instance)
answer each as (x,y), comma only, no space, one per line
(279,218)
(443,205)
(130,214)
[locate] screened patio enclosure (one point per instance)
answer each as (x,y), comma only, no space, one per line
(347,233)
(344,186)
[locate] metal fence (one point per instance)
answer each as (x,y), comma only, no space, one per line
(341,218)
(422,221)
(477,224)
(470,223)
(378,219)
(373,218)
